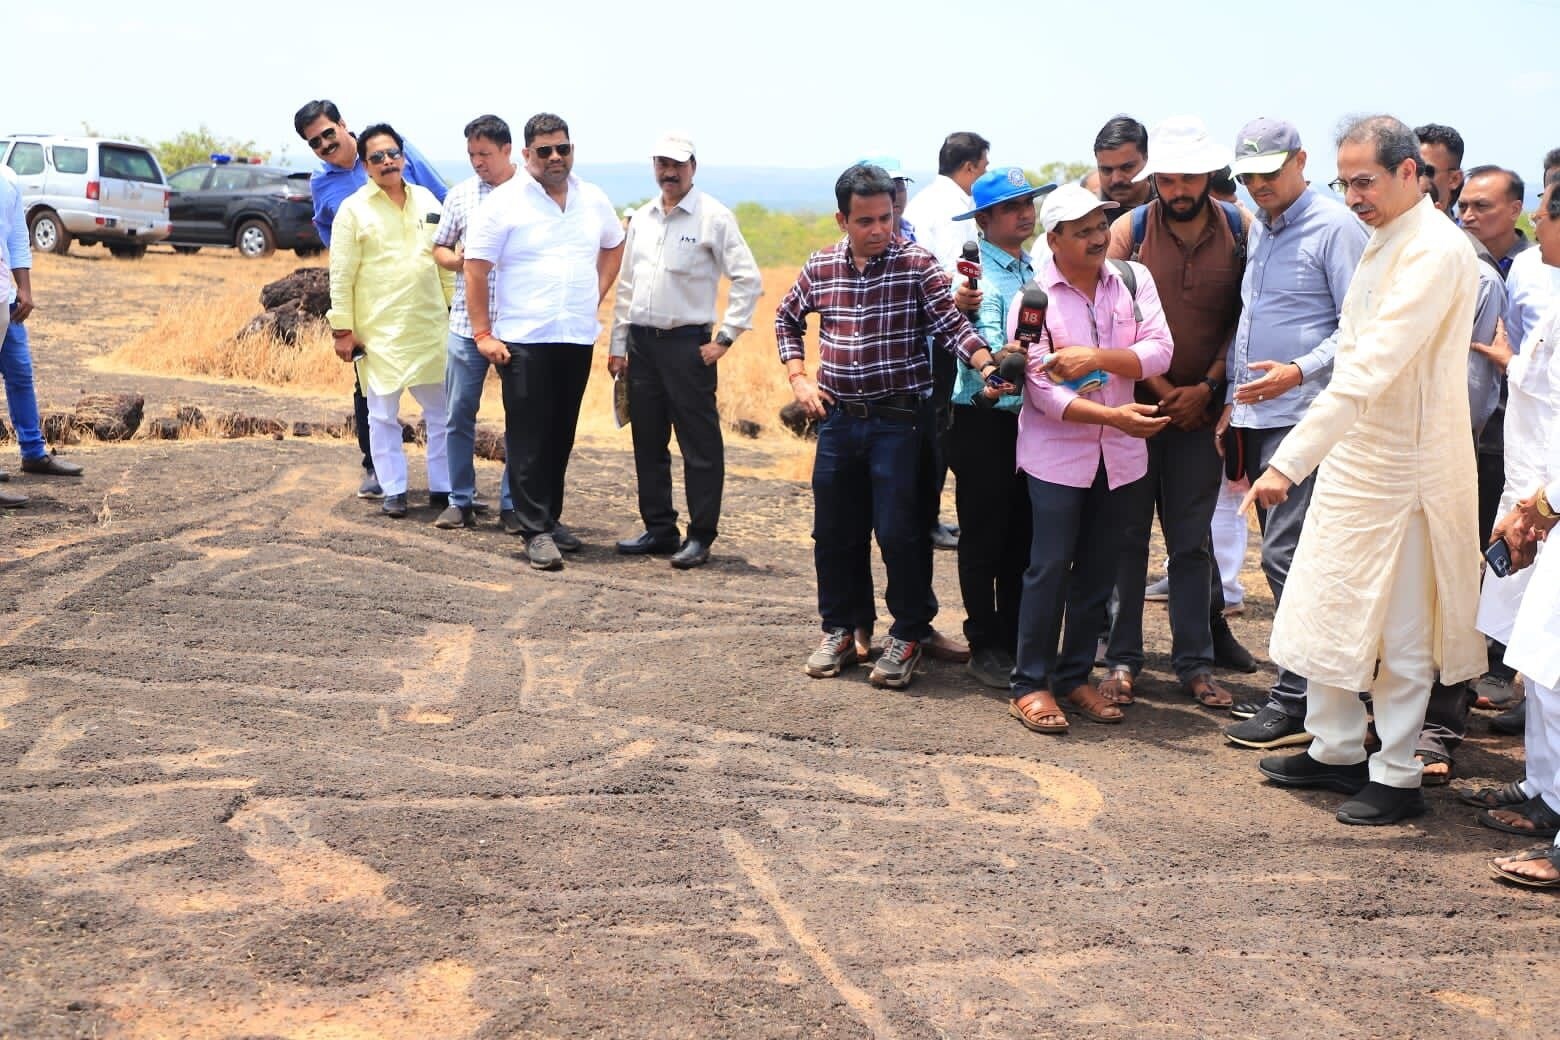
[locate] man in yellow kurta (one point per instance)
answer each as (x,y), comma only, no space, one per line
(389,308)
(1386,570)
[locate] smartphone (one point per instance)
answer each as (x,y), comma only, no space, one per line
(358,352)
(1499,558)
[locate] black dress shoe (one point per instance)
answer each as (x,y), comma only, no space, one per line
(648,544)
(566,539)
(49,466)
(1304,771)
(694,553)
(1377,805)
(394,506)
(1513,721)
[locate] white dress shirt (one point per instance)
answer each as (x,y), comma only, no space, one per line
(672,269)
(931,213)
(544,258)
(1530,286)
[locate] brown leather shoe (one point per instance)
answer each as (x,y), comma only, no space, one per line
(945,648)
(49,466)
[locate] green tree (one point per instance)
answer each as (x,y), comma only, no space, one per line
(191,147)
(1059,172)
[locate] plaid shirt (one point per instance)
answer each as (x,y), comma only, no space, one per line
(460,205)
(874,324)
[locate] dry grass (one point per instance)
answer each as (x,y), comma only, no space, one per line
(213,294)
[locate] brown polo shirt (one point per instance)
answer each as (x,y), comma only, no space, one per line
(1199,286)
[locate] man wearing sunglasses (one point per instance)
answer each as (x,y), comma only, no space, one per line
(554,243)
(341,173)
(1301,256)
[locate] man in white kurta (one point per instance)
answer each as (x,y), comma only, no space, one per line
(1384,584)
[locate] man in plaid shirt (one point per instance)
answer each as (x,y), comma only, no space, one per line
(488,146)
(877,300)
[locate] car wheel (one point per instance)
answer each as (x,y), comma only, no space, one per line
(127,250)
(186,250)
(49,234)
(255,239)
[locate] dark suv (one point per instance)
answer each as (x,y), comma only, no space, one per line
(256,209)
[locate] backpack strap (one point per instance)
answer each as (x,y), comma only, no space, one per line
(1128,276)
(1139,218)
(1237,225)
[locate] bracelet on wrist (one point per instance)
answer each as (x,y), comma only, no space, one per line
(797,375)
(478,337)
(1545,509)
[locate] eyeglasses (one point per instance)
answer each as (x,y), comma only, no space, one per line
(545,151)
(328,134)
(375,158)
(1359,182)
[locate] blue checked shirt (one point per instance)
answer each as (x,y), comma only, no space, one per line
(1002,278)
(460,205)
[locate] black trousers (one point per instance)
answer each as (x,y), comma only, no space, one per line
(1492,481)
(542,384)
(360,423)
(671,388)
(992,498)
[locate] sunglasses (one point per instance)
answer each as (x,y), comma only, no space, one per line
(375,158)
(328,134)
(545,151)
(1252,178)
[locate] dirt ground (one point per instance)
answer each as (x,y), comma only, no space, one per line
(273,766)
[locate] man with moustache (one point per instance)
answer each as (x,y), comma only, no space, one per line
(990,494)
(488,145)
(679,246)
(341,173)
(1382,593)
(1441,148)
(1188,242)
(878,300)
(1300,260)
(554,245)
(1120,152)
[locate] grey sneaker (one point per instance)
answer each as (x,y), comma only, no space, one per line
(566,539)
(836,650)
(992,667)
(543,552)
(1268,728)
(895,666)
(370,487)
(1159,591)
(455,516)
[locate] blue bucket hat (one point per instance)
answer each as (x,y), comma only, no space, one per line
(1003,184)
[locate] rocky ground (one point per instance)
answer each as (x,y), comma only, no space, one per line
(273,766)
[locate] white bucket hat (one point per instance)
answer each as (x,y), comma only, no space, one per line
(1182,144)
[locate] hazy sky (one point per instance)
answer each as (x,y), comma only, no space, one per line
(802,84)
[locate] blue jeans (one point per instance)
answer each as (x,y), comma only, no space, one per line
(16,367)
(465,369)
(867,477)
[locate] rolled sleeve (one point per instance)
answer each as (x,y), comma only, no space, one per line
(946,323)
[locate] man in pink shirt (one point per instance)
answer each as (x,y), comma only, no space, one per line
(1081,453)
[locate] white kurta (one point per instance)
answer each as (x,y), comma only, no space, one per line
(1392,427)
(1533,380)
(1534,646)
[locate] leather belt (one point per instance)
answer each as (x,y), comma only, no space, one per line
(681,330)
(893,406)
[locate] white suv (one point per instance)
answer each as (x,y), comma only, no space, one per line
(91,189)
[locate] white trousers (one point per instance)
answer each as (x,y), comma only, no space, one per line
(384,437)
(1542,738)
(1401,689)
(1229,540)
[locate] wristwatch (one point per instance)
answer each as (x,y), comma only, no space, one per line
(1213,385)
(1541,502)
(723,340)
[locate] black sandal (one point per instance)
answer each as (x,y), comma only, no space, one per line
(1435,758)
(1503,797)
(1546,822)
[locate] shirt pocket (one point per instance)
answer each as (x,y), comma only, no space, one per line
(682,254)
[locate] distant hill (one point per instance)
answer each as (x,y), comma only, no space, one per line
(791,191)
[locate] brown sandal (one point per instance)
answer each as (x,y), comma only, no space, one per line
(1091,704)
(1038,711)
(1206,691)
(1117,687)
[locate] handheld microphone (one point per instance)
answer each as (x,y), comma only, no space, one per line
(969,262)
(1031,326)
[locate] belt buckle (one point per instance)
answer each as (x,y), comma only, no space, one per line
(859,409)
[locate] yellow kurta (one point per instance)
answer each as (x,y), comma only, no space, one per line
(1392,429)
(385,286)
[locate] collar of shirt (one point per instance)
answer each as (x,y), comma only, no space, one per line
(1295,212)
(531,184)
(1013,265)
(689,203)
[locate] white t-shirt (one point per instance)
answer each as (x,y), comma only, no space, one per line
(544,258)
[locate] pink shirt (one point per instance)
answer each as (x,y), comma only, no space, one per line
(1061,452)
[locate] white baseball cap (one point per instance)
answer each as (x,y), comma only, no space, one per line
(1069,202)
(674,145)
(1182,144)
